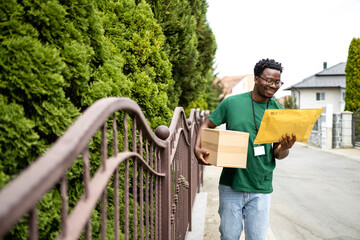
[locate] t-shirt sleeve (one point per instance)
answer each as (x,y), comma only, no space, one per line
(219,116)
(277,105)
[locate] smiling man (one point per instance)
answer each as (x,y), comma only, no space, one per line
(245,194)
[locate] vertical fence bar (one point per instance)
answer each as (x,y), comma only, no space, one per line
(165,189)
(126,180)
(103,198)
(88,230)
(116,203)
(153,179)
(103,215)
(189,172)
(157,198)
(115,136)
(141,176)
(173,188)
(33,225)
(86,169)
(103,146)
(147,192)
(116,180)
(134,185)
(64,205)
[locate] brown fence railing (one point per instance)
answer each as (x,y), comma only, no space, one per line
(153,177)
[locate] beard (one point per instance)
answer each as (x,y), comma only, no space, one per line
(267,92)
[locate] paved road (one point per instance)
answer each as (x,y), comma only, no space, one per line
(316,196)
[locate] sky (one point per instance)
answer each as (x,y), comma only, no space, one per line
(300,34)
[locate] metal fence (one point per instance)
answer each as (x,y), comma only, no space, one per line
(356,128)
(153,177)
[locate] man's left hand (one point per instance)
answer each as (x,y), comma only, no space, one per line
(281,149)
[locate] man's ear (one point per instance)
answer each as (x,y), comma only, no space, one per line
(256,80)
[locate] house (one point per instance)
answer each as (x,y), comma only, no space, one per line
(233,85)
(323,88)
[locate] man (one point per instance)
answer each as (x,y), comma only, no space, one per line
(245,194)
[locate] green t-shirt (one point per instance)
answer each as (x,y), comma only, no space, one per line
(236,111)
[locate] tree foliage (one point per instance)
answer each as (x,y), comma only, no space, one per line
(290,102)
(145,67)
(190,45)
(58,57)
(352,71)
(209,99)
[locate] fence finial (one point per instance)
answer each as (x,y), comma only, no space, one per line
(162,132)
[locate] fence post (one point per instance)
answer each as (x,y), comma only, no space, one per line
(347,128)
(163,132)
(190,172)
(326,142)
(166,194)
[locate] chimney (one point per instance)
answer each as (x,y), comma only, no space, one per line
(325,65)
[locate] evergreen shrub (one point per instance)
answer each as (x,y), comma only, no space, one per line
(58,57)
(352,71)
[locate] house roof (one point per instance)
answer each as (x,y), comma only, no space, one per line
(336,70)
(229,82)
(317,80)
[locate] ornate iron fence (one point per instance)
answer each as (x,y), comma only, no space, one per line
(154,177)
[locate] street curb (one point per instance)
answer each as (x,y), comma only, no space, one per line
(270,235)
(198,217)
(348,152)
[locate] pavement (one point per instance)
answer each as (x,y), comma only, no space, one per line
(205,216)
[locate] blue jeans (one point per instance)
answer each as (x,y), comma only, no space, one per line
(236,206)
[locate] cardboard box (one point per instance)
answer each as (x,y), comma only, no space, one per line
(226,148)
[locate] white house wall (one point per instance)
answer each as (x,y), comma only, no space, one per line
(245,85)
(240,87)
(308,98)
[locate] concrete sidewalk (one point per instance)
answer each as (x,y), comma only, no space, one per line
(205,215)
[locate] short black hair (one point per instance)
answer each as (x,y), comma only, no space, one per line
(266,63)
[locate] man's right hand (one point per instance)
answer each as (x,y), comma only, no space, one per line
(200,155)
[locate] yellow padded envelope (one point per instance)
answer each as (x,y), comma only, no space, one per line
(278,122)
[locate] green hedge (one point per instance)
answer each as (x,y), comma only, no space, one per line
(352,70)
(57,57)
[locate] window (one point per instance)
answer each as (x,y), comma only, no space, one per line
(343,96)
(320,96)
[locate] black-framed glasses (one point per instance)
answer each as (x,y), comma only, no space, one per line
(270,82)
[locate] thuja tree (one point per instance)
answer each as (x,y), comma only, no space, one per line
(33,83)
(190,45)
(34,107)
(137,36)
(56,59)
(209,98)
(352,71)
(206,48)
